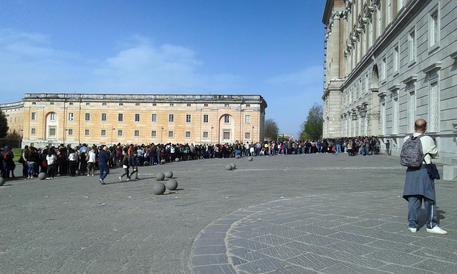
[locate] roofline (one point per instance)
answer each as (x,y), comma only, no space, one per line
(327,11)
(252,98)
(11,105)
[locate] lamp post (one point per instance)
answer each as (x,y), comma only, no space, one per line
(252,132)
(161,135)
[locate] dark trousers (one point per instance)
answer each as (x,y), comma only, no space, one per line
(73,167)
(135,171)
(414,205)
(126,173)
(103,171)
(51,170)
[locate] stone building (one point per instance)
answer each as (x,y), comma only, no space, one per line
(387,63)
(55,118)
(14,115)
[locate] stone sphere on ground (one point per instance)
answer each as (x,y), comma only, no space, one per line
(233,165)
(250,158)
(177,160)
(2,181)
(237,156)
(228,167)
(171,184)
(160,176)
(158,188)
(169,174)
(146,163)
(162,161)
(42,176)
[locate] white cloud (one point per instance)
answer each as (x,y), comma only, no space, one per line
(29,62)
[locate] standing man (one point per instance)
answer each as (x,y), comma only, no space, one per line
(103,159)
(417,152)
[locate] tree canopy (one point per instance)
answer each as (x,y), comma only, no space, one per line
(312,127)
(3,125)
(271,129)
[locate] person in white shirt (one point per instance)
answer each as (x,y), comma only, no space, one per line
(51,159)
(73,162)
(91,162)
(419,186)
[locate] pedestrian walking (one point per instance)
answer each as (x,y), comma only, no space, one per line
(125,166)
(103,159)
(417,153)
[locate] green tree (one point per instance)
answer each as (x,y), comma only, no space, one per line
(3,125)
(271,129)
(312,127)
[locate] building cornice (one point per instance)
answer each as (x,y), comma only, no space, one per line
(327,11)
(432,67)
(13,105)
(387,35)
(394,88)
(156,98)
(410,79)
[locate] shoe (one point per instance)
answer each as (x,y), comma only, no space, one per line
(437,230)
(120,179)
(412,229)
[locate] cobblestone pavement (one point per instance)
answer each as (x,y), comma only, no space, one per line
(294,214)
(346,233)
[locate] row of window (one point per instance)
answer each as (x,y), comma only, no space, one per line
(139,104)
(359,90)
(136,133)
(360,48)
(120,117)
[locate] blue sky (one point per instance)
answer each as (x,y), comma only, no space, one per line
(269,47)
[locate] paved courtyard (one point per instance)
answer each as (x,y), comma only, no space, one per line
(293,214)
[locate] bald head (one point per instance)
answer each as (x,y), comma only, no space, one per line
(420,126)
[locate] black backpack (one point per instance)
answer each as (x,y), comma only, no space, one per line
(411,152)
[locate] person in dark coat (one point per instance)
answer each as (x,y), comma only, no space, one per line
(103,157)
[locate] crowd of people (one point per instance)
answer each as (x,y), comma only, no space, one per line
(84,160)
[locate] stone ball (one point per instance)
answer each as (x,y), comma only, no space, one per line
(158,188)
(177,160)
(250,158)
(42,176)
(237,156)
(233,165)
(162,161)
(160,176)
(2,181)
(146,163)
(171,184)
(169,174)
(228,167)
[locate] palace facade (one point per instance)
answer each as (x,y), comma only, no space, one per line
(60,118)
(387,63)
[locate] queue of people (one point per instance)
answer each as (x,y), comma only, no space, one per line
(84,160)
